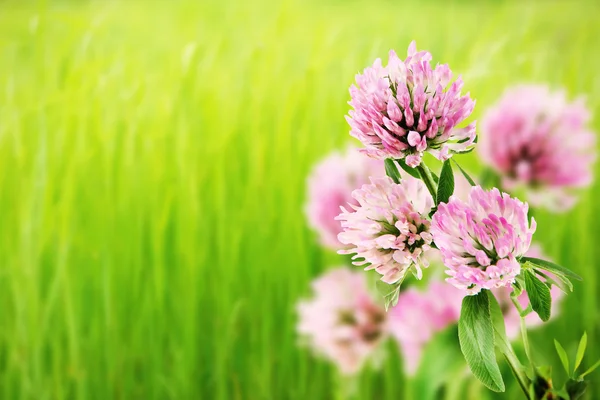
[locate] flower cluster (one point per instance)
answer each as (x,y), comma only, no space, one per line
(536,139)
(330,187)
(482,238)
(419,315)
(395,224)
(406,108)
(389,228)
(342,322)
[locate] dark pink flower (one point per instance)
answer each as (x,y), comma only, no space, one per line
(407,108)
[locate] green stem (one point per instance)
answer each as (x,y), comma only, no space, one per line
(513,361)
(526,341)
(517,369)
(428,179)
(523,329)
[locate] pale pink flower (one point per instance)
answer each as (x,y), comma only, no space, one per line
(419,315)
(481,239)
(406,108)
(512,320)
(389,229)
(540,142)
(342,322)
(330,187)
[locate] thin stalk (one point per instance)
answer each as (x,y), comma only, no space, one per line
(526,340)
(428,179)
(523,329)
(513,361)
(515,366)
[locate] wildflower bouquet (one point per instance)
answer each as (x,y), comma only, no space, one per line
(401,112)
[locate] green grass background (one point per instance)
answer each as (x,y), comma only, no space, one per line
(153,158)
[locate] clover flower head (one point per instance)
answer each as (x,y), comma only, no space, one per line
(538,140)
(482,239)
(419,315)
(389,228)
(406,108)
(342,322)
(330,186)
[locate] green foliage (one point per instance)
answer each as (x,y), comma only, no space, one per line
(539,295)
(389,292)
(409,170)
(561,281)
(562,354)
(552,267)
(391,170)
(590,370)
(575,389)
(581,350)
(500,338)
(575,386)
(445,184)
(467,177)
(476,337)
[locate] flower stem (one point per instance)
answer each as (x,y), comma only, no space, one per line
(523,329)
(428,179)
(517,369)
(513,361)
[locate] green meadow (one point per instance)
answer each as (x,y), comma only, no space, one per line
(153,157)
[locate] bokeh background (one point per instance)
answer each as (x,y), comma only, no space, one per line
(153,157)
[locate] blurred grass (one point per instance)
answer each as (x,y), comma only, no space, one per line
(152,166)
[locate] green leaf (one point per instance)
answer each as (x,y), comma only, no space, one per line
(391,170)
(409,170)
(497,321)
(390,293)
(590,370)
(562,354)
(467,177)
(476,337)
(503,344)
(539,295)
(575,389)
(551,267)
(561,281)
(446,183)
(466,151)
(580,350)
(518,286)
